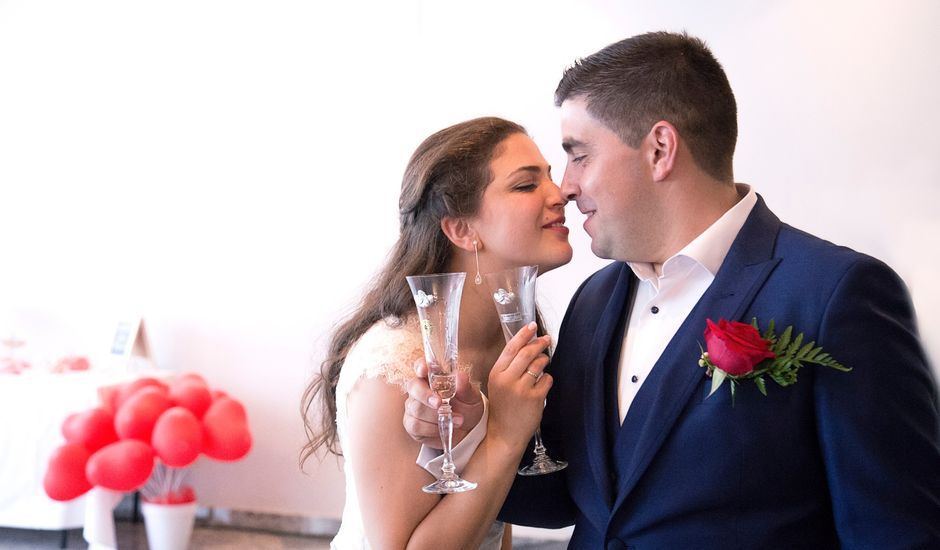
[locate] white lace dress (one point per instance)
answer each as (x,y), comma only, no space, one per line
(389,352)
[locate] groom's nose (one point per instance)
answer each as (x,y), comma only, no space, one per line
(569,187)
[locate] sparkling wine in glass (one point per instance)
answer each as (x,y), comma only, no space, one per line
(513,291)
(437,298)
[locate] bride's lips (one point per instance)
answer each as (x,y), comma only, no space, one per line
(557,225)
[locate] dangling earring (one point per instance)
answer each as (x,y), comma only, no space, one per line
(476,253)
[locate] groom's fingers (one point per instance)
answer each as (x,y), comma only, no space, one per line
(420,421)
(467,393)
(420,418)
(421,368)
(418,389)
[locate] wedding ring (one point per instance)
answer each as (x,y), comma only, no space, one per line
(532,374)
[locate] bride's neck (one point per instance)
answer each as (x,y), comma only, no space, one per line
(480,337)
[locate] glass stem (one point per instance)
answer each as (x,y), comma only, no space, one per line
(445,424)
(539,447)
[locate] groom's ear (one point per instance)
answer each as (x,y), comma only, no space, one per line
(663,147)
(459,232)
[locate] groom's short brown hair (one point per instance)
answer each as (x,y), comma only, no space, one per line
(633,84)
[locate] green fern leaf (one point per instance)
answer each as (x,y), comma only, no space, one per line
(794,345)
(805,350)
(761,385)
(813,353)
(782,343)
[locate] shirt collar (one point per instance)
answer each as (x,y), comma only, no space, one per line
(712,245)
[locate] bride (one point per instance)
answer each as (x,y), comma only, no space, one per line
(475,196)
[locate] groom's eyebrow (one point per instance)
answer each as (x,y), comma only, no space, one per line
(570,144)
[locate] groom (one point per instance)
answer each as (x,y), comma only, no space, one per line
(837,459)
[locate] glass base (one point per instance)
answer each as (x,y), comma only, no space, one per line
(447,486)
(543,465)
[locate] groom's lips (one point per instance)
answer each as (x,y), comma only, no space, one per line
(585,211)
(588,214)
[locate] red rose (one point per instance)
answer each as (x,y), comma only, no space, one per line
(735,347)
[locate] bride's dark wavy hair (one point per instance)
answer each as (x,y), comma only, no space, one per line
(446,176)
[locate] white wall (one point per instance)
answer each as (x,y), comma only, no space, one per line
(231,169)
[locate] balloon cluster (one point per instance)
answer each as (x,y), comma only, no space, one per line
(117,445)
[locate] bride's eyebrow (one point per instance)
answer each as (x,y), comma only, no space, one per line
(530,169)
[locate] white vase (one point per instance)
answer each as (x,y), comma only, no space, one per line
(169,526)
(99,518)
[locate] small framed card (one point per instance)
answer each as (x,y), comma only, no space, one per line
(129,345)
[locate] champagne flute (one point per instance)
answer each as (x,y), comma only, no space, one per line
(437,297)
(513,291)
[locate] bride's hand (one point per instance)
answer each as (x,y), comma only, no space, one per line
(518,386)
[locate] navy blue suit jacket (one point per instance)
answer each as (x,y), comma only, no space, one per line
(839,459)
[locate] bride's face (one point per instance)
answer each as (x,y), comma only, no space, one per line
(521,218)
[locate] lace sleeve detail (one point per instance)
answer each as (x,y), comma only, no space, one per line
(385,350)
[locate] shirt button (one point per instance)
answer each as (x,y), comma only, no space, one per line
(654,309)
(634,379)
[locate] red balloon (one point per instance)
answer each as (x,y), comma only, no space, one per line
(229,409)
(225,430)
(137,416)
(65,476)
(177,437)
(92,429)
(192,394)
(192,377)
(121,466)
(126,391)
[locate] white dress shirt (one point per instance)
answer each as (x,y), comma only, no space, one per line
(664,300)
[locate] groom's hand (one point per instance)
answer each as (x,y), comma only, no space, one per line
(420,419)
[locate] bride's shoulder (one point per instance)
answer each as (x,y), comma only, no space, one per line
(389,348)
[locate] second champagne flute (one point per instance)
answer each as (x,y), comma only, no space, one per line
(513,292)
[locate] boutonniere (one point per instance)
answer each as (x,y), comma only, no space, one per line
(737,351)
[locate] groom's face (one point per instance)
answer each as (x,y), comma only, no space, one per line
(612,185)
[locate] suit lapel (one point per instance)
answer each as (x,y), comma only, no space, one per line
(676,375)
(594,386)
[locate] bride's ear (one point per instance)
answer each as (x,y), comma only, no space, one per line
(459,232)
